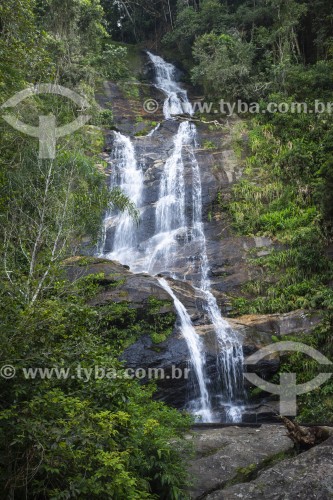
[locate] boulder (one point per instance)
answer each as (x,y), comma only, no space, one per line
(232,454)
(308,476)
(261,330)
(118,283)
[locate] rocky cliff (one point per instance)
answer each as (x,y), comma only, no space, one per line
(221,166)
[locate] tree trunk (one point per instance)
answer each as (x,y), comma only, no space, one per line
(305,436)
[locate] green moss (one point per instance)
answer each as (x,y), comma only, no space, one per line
(149,126)
(125,324)
(212,451)
(159,322)
(246,472)
(209,145)
(105,118)
(130,89)
(142,133)
(157,338)
(249,473)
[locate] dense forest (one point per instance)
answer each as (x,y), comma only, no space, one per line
(108,438)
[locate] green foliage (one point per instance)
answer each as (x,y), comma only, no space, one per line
(249,49)
(75,35)
(314,406)
(113,60)
(283,195)
(224,64)
(209,145)
(51,205)
(23,57)
(161,323)
(134,21)
(70,436)
(187,26)
(192,22)
(48,206)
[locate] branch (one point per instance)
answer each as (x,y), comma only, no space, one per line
(198,120)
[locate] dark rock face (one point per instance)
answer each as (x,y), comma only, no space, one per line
(308,476)
(168,354)
(256,327)
(257,331)
(220,168)
(120,285)
(223,455)
(259,463)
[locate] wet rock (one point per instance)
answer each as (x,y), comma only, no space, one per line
(267,410)
(118,285)
(169,356)
(256,331)
(220,168)
(295,322)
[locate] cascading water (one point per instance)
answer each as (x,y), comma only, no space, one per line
(172,226)
(176,101)
(231,358)
(197,354)
(170,220)
(127,175)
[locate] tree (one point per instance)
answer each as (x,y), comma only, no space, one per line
(75,34)
(22,48)
(193,20)
(137,20)
(61,438)
(224,64)
(70,437)
(320,13)
(52,204)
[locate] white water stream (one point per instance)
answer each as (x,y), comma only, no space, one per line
(159,253)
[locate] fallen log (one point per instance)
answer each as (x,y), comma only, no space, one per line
(305,436)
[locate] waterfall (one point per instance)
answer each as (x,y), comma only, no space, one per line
(170,218)
(173,230)
(176,102)
(127,175)
(170,221)
(195,346)
(231,358)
